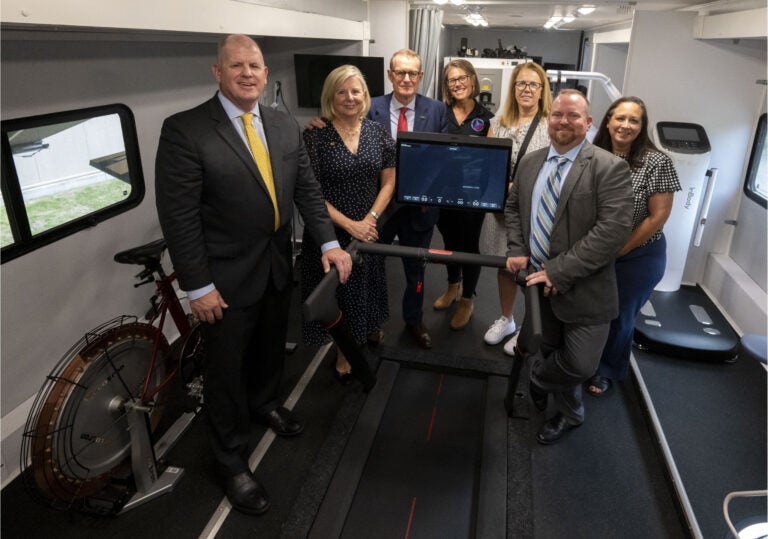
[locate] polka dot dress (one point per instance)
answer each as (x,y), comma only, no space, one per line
(350,182)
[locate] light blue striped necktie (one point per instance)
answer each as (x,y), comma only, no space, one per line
(545,216)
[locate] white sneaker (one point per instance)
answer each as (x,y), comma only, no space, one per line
(500,329)
(509,346)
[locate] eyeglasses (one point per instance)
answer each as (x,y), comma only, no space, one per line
(401,74)
(522,85)
(462,79)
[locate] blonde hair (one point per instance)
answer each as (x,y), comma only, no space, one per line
(333,81)
(511,112)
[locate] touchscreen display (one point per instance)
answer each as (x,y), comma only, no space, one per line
(452,171)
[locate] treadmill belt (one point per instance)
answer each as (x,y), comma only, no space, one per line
(421,473)
(426,458)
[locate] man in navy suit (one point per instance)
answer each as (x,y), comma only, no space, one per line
(227,222)
(413,225)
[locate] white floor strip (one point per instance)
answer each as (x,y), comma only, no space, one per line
(222,511)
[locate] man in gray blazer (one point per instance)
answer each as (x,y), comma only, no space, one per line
(227,222)
(570,253)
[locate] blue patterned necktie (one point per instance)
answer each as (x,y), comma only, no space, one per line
(545,216)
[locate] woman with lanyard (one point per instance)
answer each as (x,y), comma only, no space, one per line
(524,120)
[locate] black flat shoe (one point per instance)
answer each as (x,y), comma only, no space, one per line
(597,386)
(375,337)
(281,422)
(554,429)
(344,378)
(246,494)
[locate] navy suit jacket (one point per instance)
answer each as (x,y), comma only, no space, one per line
(431,117)
(214,207)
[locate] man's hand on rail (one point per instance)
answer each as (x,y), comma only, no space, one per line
(339,258)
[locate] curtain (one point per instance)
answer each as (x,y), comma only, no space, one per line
(425,39)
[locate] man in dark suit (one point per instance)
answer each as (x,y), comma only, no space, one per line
(572,257)
(225,201)
(406,110)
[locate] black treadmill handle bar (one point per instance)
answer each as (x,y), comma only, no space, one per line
(321,304)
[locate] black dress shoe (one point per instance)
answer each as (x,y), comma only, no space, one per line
(538,397)
(553,430)
(344,378)
(246,494)
(420,335)
(281,422)
(375,337)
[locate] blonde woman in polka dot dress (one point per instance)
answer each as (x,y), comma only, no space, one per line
(353,159)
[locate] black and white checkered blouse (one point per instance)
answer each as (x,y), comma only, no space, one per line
(657,175)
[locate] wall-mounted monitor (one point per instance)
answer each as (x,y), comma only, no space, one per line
(311,70)
(452,171)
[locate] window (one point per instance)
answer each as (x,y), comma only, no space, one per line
(64,172)
(756,182)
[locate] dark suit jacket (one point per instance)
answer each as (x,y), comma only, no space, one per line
(214,208)
(592,223)
(431,117)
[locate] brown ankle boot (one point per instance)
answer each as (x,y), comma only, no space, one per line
(463,313)
(449,296)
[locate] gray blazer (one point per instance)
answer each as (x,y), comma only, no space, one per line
(214,208)
(592,223)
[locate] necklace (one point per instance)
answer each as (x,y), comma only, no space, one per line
(622,155)
(350,132)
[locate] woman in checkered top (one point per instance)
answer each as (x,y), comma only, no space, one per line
(640,264)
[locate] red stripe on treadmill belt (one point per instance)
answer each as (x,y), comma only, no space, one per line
(431,422)
(434,408)
(410,518)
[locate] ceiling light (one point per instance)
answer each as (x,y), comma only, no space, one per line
(440,2)
(474,16)
(569,18)
(586,9)
(457,2)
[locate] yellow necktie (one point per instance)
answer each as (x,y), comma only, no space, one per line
(261,157)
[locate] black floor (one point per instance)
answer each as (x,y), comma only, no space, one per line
(605,480)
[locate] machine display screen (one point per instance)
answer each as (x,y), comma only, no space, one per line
(683,137)
(452,171)
(672,133)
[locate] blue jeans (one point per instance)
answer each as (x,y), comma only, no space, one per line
(637,272)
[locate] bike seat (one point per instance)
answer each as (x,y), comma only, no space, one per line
(148,254)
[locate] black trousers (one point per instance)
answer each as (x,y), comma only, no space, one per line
(245,353)
(461,233)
